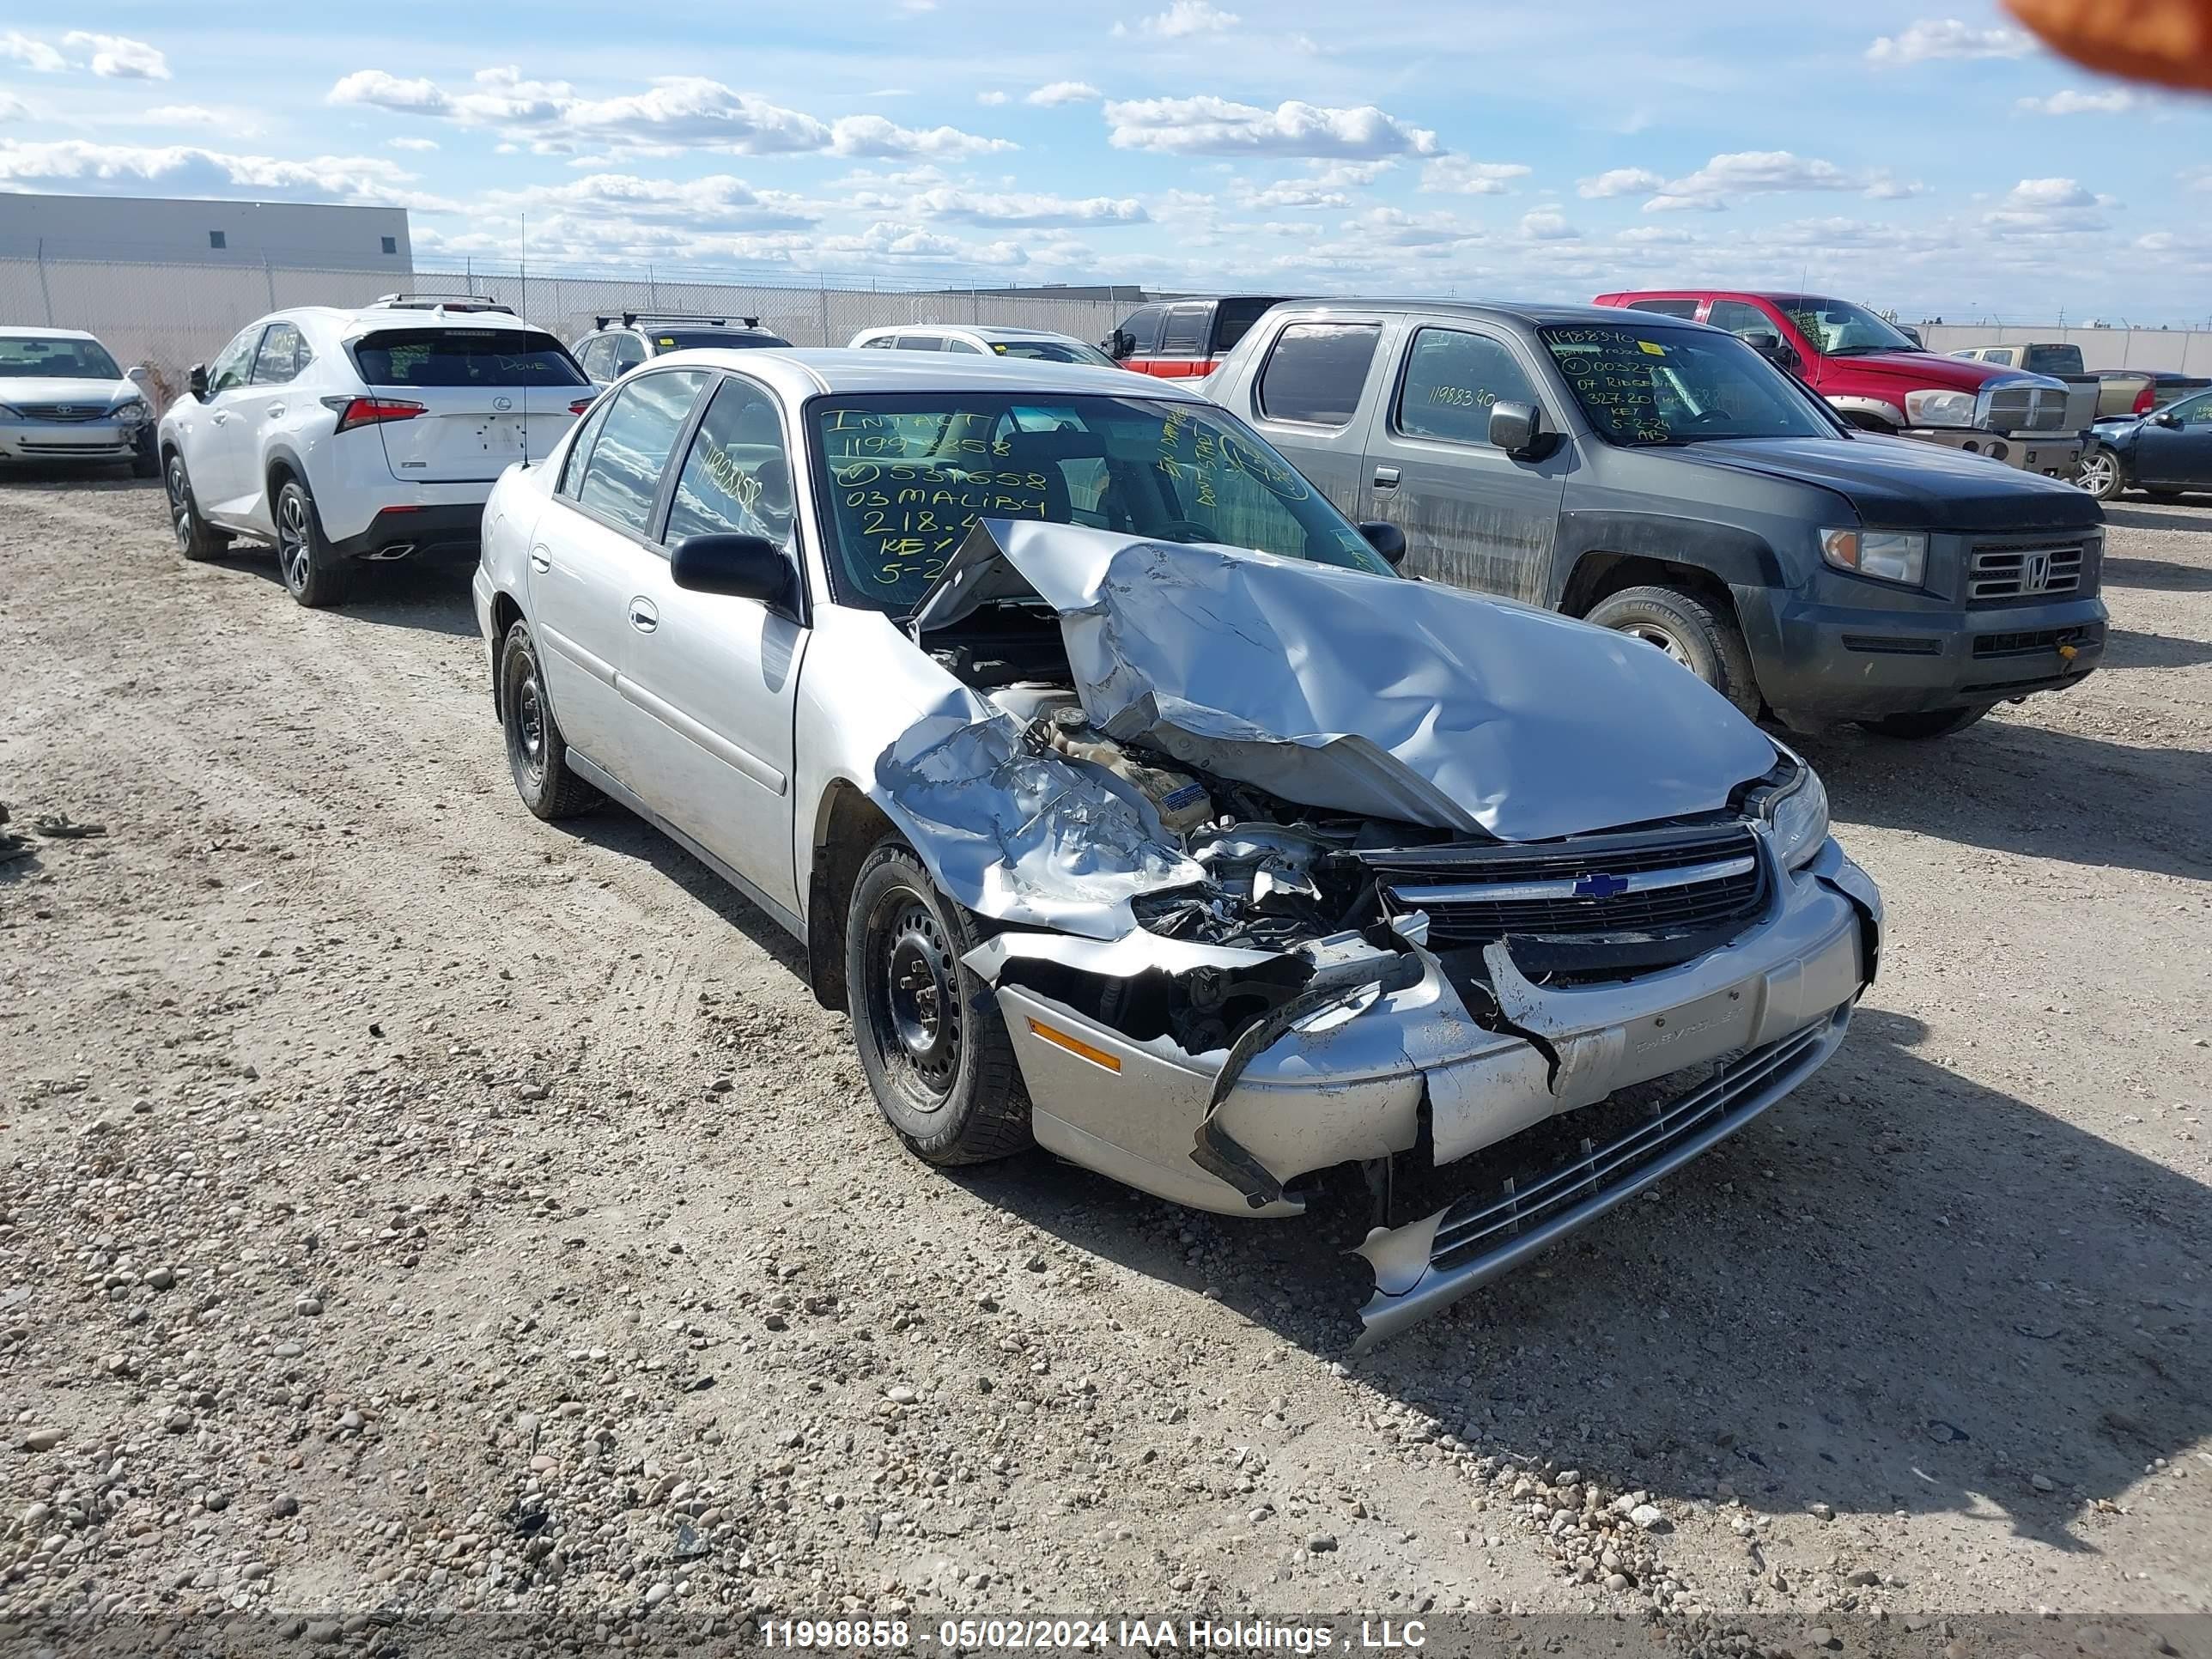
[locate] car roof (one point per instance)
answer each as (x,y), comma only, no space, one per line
(366,317)
(804,374)
(1529,314)
(25,332)
(981,330)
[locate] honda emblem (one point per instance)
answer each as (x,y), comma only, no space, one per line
(2034,573)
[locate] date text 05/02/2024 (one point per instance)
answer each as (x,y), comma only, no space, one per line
(1151,1635)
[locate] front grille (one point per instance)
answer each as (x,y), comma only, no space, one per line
(62,412)
(2024,570)
(1646,883)
(2026,408)
(2032,643)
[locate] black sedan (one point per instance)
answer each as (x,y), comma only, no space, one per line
(2165,453)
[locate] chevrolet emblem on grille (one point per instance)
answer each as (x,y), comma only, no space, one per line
(2034,573)
(1600,885)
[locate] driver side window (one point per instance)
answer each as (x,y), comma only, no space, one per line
(1741,318)
(2195,412)
(236,363)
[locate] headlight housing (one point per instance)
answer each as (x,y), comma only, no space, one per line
(1890,555)
(1940,406)
(1798,819)
(130,411)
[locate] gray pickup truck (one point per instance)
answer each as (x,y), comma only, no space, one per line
(1660,478)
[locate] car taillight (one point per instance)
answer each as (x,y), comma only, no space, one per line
(371,412)
(581,404)
(2144,400)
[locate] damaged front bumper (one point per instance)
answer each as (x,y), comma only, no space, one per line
(1353,1080)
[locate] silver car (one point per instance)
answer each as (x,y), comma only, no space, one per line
(63,398)
(1134,807)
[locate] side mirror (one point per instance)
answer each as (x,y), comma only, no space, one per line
(2166,417)
(1119,345)
(1773,348)
(196,381)
(136,375)
(741,567)
(1385,538)
(1518,430)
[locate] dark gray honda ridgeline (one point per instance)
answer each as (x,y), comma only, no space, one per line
(1661,477)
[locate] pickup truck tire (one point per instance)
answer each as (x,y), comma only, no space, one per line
(194,539)
(1929,723)
(2101,473)
(932,1043)
(537,758)
(312,573)
(1691,631)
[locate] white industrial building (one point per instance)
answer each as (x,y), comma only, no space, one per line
(148,229)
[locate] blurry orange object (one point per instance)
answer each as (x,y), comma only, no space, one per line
(2168,41)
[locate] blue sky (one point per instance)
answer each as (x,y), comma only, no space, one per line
(1928,157)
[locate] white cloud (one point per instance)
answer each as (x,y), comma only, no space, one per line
(1545,225)
(383,91)
(188,170)
(716,203)
(1947,37)
(1459,176)
(196,115)
(1654,236)
(410,143)
(1057,93)
(1184,17)
(2118,101)
(1004,209)
(990,97)
(1717,185)
(1208,125)
(13,108)
(32,54)
(2049,193)
(1399,229)
(871,135)
(1621,181)
(120,57)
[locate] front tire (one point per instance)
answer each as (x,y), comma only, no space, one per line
(931,1042)
(195,540)
(1692,631)
(537,758)
(2101,474)
(313,574)
(1929,723)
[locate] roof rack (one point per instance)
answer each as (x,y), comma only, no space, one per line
(440,302)
(632,318)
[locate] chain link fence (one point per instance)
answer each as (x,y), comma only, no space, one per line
(169,317)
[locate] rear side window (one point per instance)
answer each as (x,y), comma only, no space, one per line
(622,476)
(284,354)
(1233,320)
(1315,372)
(1185,334)
(1453,379)
(464,357)
(1685,309)
(920,342)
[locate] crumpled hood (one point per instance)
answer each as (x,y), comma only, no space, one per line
(1363,694)
(1903,484)
(65,389)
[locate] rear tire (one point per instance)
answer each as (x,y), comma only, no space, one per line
(1692,631)
(312,573)
(537,758)
(931,1042)
(1929,723)
(195,540)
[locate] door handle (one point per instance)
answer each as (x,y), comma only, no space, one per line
(275,411)
(539,562)
(643,616)
(1386,477)
(219,416)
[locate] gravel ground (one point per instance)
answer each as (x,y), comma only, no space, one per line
(407,1203)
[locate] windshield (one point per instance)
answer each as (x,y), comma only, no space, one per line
(464,356)
(908,476)
(1055,351)
(1837,328)
(24,357)
(1678,385)
(727,339)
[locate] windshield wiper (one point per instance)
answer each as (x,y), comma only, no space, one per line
(1865,351)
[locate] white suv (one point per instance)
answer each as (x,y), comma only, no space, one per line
(344,436)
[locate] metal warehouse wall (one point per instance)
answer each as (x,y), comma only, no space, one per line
(2101,348)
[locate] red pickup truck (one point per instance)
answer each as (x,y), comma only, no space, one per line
(1879,379)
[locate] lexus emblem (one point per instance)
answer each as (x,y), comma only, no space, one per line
(2034,573)
(503,404)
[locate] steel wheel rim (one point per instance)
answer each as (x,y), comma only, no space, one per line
(292,549)
(914,1003)
(2100,474)
(1652,634)
(180,503)
(530,729)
